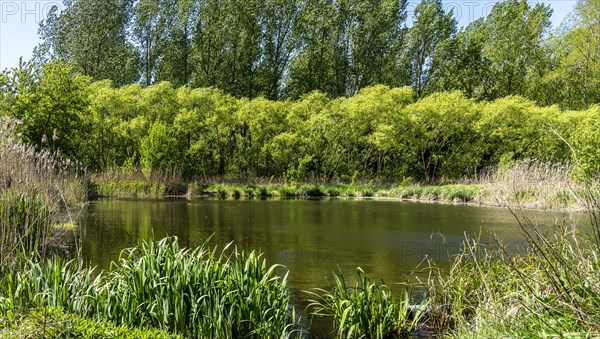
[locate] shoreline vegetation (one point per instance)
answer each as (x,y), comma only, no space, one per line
(527,185)
(160,290)
(552,289)
(192,98)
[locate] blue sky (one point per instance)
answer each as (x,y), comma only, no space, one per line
(19,20)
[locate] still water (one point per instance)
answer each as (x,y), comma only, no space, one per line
(312,238)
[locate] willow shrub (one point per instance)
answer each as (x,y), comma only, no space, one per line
(378,133)
(196,293)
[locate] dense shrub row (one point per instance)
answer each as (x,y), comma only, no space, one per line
(380,132)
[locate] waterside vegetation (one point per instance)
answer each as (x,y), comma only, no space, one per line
(197,293)
(158,289)
(526,184)
(244,99)
(382,134)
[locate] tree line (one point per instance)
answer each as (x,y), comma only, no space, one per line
(380,133)
(285,49)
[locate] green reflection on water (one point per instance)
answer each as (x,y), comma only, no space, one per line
(311,238)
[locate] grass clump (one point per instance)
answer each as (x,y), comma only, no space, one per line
(249,191)
(136,189)
(264,192)
(38,189)
(534,184)
(287,191)
(448,193)
(222,192)
(25,224)
(551,290)
(310,191)
(367,310)
(198,293)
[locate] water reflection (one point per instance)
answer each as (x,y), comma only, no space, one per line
(312,238)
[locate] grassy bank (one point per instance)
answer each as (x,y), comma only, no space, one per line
(525,184)
(551,291)
(56,323)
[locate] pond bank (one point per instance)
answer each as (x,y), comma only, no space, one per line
(537,196)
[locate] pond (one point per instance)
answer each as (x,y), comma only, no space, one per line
(312,238)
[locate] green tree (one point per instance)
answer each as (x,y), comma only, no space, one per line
(376,31)
(514,35)
(159,151)
(227,46)
(176,65)
(149,31)
(460,64)
(278,42)
(91,35)
(50,102)
(445,144)
(583,43)
(432,26)
(312,67)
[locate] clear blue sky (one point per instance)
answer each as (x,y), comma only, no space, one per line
(19,20)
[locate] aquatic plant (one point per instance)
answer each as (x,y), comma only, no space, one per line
(365,309)
(25,224)
(193,292)
(550,288)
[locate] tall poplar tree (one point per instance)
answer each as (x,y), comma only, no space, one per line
(515,32)
(432,25)
(91,36)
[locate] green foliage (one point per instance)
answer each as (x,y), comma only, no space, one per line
(380,133)
(92,36)
(310,191)
(159,149)
(50,103)
(549,290)
(445,142)
(514,33)
(449,193)
(36,189)
(197,293)
(25,224)
(584,138)
(287,49)
(55,323)
(366,309)
(433,26)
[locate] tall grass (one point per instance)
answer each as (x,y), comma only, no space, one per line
(366,310)
(550,288)
(136,183)
(551,291)
(198,293)
(447,193)
(26,224)
(533,184)
(38,189)
(24,167)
